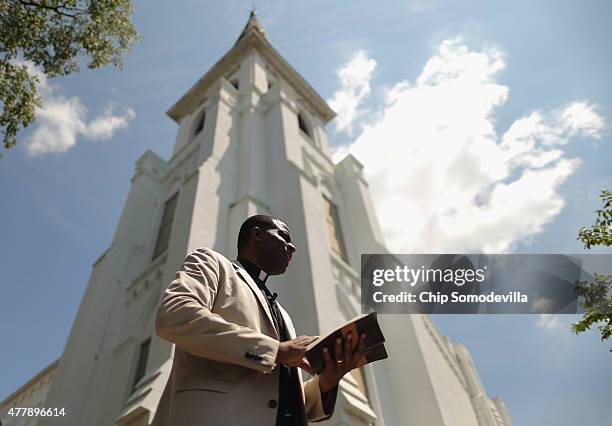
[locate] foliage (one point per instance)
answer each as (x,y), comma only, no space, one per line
(54,35)
(597,305)
(598,294)
(600,234)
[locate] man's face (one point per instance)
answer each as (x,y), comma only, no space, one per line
(275,248)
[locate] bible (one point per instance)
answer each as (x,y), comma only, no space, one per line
(364,324)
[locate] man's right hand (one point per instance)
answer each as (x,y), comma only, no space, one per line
(291,353)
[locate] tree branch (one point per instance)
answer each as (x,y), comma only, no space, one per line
(60,9)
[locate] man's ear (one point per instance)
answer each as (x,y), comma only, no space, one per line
(256,234)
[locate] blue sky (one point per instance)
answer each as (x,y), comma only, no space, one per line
(517,96)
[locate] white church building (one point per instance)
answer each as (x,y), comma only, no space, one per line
(251,139)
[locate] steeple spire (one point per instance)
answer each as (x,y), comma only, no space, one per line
(252,45)
(253,24)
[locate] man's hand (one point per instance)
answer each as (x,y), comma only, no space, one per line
(291,353)
(344,361)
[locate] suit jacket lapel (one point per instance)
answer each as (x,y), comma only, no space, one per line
(288,323)
(261,298)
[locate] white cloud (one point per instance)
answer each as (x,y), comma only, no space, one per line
(441,177)
(61,120)
(581,117)
(103,126)
(551,323)
(355,79)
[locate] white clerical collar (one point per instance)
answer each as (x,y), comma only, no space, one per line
(253,270)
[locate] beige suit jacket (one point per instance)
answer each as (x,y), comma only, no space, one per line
(223,368)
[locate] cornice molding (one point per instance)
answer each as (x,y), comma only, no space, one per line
(251,41)
(249,196)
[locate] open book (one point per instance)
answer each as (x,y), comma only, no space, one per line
(363,324)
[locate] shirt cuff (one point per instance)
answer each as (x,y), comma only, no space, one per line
(328,401)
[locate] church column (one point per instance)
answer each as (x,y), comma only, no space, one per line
(364,227)
(252,148)
(217,164)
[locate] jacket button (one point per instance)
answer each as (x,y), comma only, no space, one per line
(272,403)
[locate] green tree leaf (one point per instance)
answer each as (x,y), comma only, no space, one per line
(54,35)
(597,294)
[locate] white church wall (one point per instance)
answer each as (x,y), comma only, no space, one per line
(133,228)
(253,74)
(503,417)
(449,385)
(78,373)
(328,314)
(31,395)
(321,134)
(407,382)
(362,222)
(184,133)
(140,300)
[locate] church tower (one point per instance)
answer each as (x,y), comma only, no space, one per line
(251,140)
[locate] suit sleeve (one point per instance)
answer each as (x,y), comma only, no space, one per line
(318,406)
(186,319)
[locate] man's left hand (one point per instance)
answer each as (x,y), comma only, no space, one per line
(344,360)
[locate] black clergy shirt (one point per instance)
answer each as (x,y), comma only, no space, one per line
(290,404)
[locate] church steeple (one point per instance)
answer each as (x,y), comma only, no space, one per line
(252,38)
(253,24)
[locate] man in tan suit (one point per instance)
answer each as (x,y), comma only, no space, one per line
(237,360)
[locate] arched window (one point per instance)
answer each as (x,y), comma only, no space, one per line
(165,226)
(271,79)
(143,357)
(199,125)
(333,228)
(303,125)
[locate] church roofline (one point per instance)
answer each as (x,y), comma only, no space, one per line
(30,382)
(251,39)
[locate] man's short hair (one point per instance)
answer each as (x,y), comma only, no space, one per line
(262,221)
